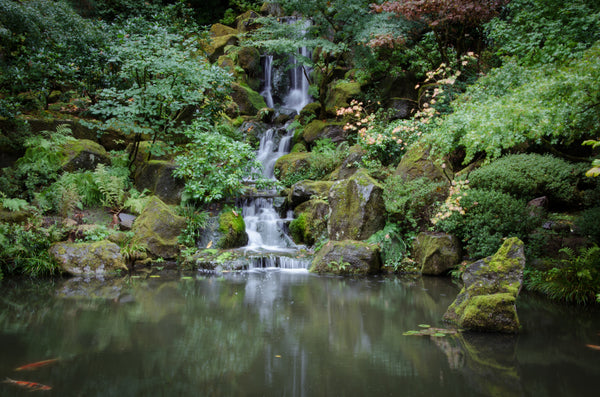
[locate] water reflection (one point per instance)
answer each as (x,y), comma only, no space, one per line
(280,332)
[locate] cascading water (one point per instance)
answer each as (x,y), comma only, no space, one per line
(266,229)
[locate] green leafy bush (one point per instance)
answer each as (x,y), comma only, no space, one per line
(412,202)
(587,223)
(483,218)
(393,248)
(325,157)
(528,176)
(574,278)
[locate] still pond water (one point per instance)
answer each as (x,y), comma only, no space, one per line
(281,333)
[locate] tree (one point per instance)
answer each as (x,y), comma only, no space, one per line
(162,82)
(456,23)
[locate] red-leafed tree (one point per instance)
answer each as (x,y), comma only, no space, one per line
(455,23)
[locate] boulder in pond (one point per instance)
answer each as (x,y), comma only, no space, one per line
(491,286)
(436,253)
(97,258)
(157,229)
(357,208)
(347,257)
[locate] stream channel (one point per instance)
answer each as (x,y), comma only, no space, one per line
(277,330)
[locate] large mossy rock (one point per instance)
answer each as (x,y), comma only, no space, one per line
(491,286)
(340,93)
(221,37)
(418,163)
(436,253)
(291,163)
(248,58)
(97,258)
(249,102)
(357,208)
(82,154)
(303,191)
(347,257)
(157,177)
(319,129)
(232,230)
(310,223)
(157,229)
(350,165)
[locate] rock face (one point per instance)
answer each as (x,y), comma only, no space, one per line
(311,221)
(157,176)
(249,101)
(416,163)
(436,253)
(303,191)
(491,286)
(318,129)
(97,258)
(157,229)
(347,257)
(357,208)
(291,163)
(83,154)
(339,95)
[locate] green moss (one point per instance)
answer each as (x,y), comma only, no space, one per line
(257,101)
(233,229)
(298,228)
(479,310)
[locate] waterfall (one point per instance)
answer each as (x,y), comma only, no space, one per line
(268,243)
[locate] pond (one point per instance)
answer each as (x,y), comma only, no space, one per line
(282,333)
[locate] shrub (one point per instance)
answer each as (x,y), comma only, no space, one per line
(412,202)
(587,223)
(528,176)
(482,218)
(574,278)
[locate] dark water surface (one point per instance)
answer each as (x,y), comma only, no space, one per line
(282,333)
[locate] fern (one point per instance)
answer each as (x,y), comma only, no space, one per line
(13,204)
(112,187)
(136,202)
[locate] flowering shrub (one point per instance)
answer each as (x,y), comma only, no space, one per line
(458,190)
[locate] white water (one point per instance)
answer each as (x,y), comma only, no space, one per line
(268,81)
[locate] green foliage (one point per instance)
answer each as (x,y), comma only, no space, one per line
(298,228)
(516,105)
(574,278)
(325,157)
(393,247)
(24,249)
(13,204)
(214,166)
(587,223)
(46,46)
(546,31)
(484,219)
(195,222)
(527,176)
(412,202)
(161,81)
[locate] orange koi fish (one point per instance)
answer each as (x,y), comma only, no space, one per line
(595,347)
(32,386)
(36,365)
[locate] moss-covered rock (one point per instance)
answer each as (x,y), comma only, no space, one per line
(340,93)
(221,37)
(82,154)
(272,8)
(157,229)
(357,208)
(303,191)
(436,253)
(347,257)
(491,287)
(246,21)
(350,164)
(417,163)
(97,258)
(248,58)
(157,177)
(232,229)
(290,164)
(311,221)
(249,101)
(318,129)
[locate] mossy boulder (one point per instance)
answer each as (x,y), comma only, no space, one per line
(491,286)
(232,229)
(248,58)
(347,257)
(418,163)
(357,208)
(436,253)
(97,258)
(340,94)
(310,223)
(291,163)
(157,177)
(82,154)
(350,164)
(303,191)
(272,8)
(249,101)
(246,21)
(221,37)
(319,129)
(157,229)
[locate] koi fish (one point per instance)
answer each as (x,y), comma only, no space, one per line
(32,386)
(595,347)
(36,365)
